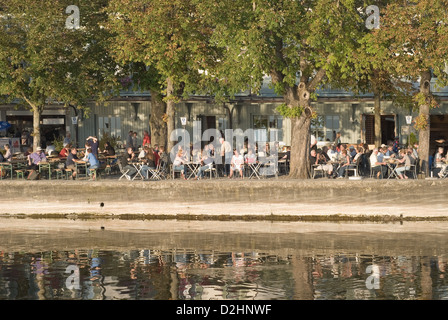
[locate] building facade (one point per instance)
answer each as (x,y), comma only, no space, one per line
(338,111)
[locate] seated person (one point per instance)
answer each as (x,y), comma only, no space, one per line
(108,149)
(143,152)
(236,163)
(148,161)
(8,154)
(70,163)
(65,151)
(251,158)
(319,161)
(440,161)
(390,151)
(178,163)
(126,160)
(379,168)
(206,160)
(93,162)
(51,149)
(406,160)
(163,156)
(35,158)
(344,163)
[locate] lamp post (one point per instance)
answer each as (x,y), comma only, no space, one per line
(409,122)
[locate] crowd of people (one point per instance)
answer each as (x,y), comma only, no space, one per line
(335,159)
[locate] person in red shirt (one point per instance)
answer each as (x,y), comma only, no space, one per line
(146,138)
(65,151)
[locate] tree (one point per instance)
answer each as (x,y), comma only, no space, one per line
(170,39)
(43,62)
(368,73)
(415,34)
(301,45)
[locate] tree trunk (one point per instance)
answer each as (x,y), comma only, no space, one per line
(37,112)
(170,111)
(377,117)
(424,134)
(156,123)
(300,167)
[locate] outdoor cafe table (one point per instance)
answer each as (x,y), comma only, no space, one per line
(391,165)
(254,167)
(193,168)
(138,166)
(81,166)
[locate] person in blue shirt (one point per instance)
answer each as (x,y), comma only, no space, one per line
(92,160)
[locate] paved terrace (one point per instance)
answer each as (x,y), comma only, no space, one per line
(271,199)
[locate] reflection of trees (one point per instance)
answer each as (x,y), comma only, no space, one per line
(191,274)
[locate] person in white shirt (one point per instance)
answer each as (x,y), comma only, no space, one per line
(236,164)
(8,154)
(379,168)
(440,161)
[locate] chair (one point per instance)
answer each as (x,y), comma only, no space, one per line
(68,173)
(316,168)
(173,171)
(353,167)
(94,174)
(212,170)
(20,174)
(123,172)
(158,173)
(59,173)
(413,171)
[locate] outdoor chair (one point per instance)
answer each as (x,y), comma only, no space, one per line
(173,171)
(316,169)
(413,171)
(211,171)
(123,172)
(353,167)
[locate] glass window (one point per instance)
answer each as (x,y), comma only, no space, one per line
(317,127)
(272,123)
(331,126)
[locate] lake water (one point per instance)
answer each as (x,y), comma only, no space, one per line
(61,260)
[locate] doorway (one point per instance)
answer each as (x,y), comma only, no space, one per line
(388,132)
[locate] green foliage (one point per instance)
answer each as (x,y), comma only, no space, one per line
(412,139)
(58,143)
(289,112)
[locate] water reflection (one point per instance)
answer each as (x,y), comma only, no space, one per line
(203,266)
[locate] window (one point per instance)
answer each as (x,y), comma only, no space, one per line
(325,127)
(317,127)
(264,126)
(332,127)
